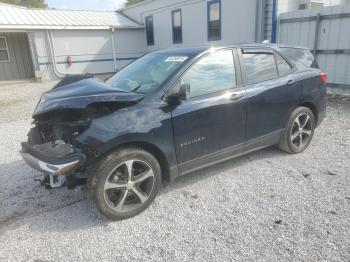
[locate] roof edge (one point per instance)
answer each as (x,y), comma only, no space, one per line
(58,27)
(113,19)
(16,6)
(53,9)
(128,17)
(136,5)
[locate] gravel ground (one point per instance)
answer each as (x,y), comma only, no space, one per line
(266,206)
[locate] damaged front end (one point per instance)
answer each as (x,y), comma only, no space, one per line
(51,147)
(54,160)
(61,115)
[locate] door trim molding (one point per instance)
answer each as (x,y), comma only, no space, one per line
(230,152)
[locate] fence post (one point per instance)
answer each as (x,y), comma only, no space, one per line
(317,29)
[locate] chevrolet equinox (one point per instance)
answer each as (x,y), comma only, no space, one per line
(169,113)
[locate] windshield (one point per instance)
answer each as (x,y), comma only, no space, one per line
(147,73)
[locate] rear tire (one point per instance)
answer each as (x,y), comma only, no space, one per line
(124,183)
(299,131)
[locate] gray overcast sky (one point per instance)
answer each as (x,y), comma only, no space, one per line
(86,4)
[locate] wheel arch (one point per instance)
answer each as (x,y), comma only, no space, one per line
(152,149)
(306,104)
(313,109)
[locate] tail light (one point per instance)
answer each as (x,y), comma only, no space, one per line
(323,77)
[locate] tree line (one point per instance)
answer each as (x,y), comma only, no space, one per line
(43,4)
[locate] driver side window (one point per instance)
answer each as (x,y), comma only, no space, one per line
(210,74)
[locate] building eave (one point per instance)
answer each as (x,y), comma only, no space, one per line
(39,27)
(135,5)
(15,17)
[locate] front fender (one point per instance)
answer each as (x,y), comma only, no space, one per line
(147,123)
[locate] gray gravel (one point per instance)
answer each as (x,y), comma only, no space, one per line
(266,206)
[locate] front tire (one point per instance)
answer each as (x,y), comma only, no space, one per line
(299,131)
(125,183)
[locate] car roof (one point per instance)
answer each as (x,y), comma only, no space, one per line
(183,50)
(194,50)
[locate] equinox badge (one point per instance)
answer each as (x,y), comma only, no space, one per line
(193,141)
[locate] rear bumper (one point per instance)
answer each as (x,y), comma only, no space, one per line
(53,160)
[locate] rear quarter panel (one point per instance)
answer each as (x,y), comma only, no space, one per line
(312,91)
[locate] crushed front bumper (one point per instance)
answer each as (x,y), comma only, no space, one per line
(52,159)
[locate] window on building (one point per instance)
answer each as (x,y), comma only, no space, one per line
(210,74)
(4,52)
(316,5)
(282,65)
(177,26)
(259,66)
(214,20)
(149,30)
(302,6)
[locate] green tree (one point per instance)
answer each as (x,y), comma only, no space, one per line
(131,2)
(26,3)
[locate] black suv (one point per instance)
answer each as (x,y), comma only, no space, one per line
(172,112)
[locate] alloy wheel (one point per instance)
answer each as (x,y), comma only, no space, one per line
(129,185)
(301,130)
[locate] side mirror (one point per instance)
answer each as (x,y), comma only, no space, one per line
(179,92)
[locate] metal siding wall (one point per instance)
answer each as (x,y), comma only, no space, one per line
(334,34)
(129,43)
(283,6)
(90,50)
(42,52)
(20,65)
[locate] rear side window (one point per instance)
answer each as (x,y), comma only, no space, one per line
(259,66)
(282,65)
(301,58)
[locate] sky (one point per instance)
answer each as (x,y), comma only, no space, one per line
(86,4)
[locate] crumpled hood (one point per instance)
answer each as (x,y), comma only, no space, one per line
(81,94)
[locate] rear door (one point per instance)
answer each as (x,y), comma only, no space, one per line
(210,123)
(271,94)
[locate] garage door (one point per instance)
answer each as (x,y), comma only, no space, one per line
(15,59)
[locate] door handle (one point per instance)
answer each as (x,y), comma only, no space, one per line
(291,82)
(235,96)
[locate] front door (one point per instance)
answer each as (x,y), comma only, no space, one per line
(210,123)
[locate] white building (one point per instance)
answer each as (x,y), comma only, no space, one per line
(293,5)
(49,44)
(179,23)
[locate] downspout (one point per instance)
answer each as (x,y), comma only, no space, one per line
(260,21)
(274,21)
(33,51)
(53,56)
(113,49)
(257,17)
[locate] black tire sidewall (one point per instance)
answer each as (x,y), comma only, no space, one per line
(297,112)
(105,168)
